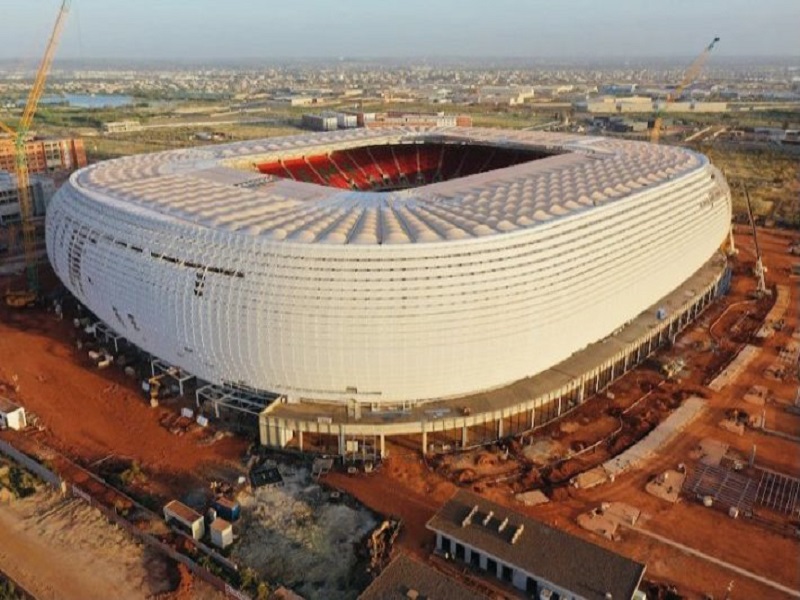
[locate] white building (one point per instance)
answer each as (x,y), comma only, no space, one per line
(122,126)
(187,519)
(221,533)
(321,122)
(645,104)
(346,121)
(12,416)
(384,298)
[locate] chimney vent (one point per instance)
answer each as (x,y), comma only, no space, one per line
(468,519)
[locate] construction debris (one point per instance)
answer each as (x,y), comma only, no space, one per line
(735,368)
(757,395)
(380,545)
(532,498)
(606,519)
(297,534)
(667,485)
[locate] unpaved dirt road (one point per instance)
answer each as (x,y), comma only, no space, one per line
(62,549)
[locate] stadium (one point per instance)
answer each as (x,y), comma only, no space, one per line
(408,281)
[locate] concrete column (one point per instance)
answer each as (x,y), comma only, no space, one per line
(263,430)
(383,445)
(424,439)
(342,445)
(464,437)
(533,418)
(300,438)
(500,426)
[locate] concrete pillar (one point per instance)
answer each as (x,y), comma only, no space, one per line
(464,437)
(500,426)
(424,438)
(300,438)
(533,418)
(342,445)
(383,445)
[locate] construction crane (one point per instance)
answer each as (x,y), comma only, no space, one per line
(688,77)
(759,270)
(19,135)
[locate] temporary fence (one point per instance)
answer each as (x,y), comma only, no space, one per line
(33,466)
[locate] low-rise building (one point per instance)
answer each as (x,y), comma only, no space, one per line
(539,560)
(221,533)
(122,126)
(323,122)
(44,155)
(41,189)
(346,121)
(407,578)
(178,514)
(403,119)
(12,415)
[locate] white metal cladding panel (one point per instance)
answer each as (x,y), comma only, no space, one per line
(395,322)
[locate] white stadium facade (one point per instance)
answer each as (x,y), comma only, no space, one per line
(397,281)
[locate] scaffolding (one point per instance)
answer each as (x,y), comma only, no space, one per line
(181,377)
(104,333)
(250,402)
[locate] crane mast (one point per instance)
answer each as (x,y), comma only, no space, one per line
(759,270)
(21,163)
(688,77)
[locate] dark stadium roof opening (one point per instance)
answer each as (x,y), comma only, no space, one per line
(386,167)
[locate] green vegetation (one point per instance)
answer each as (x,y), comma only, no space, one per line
(252,584)
(8,591)
(155,140)
(133,475)
(771,174)
(19,482)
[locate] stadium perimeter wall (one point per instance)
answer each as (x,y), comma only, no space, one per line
(513,410)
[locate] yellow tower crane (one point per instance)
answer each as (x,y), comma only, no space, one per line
(19,135)
(688,77)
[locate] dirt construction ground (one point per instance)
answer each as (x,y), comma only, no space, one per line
(765,546)
(91,415)
(62,548)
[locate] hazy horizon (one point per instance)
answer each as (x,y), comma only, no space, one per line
(205,30)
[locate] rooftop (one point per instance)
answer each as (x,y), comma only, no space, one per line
(220,188)
(7,406)
(182,511)
(219,524)
(407,578)
(560,558)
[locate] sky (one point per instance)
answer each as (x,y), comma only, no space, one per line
(229,29)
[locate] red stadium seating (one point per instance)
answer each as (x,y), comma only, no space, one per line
(386,167)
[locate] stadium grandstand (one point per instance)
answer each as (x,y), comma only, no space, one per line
(397,167)
(454,285)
